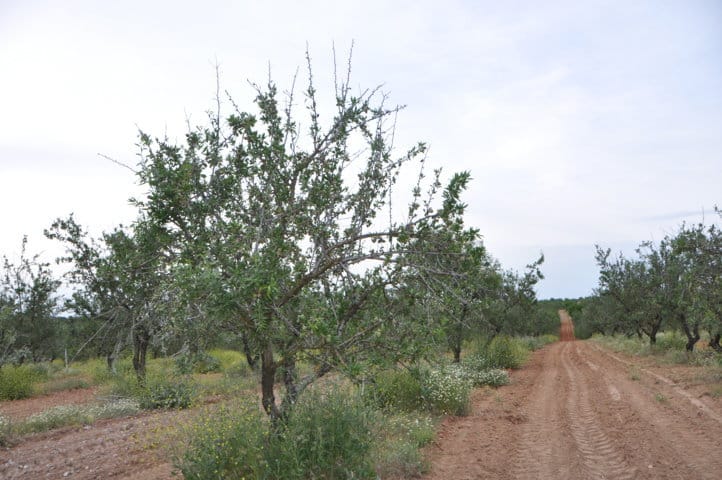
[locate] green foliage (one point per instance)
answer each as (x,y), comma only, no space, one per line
(61,384)
(231,361)
(228,442)
(326,435)
(200,362)
(446,390)
(505,352)
(397,452)
(163,392)
(397,389)
(18,382)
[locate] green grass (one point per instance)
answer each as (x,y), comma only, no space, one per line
(327,435)
(19,382)
(65,416)
(660,398)
(670,349)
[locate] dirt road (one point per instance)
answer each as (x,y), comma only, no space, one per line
(577,411)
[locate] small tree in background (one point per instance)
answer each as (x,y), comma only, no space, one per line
(28,305)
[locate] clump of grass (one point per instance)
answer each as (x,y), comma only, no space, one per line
(659,397)
(18,382)
(401,435)
(157,392)
(326,435)
(62,384)
(167,393)
(69,415)
(505,352)
(398,389)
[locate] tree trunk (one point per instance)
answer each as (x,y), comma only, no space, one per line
(251,358)
(691,333)
(655,329)
(457,352)
(714,342)
(268,376)
(141,339)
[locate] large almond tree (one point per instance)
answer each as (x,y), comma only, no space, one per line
(289,232)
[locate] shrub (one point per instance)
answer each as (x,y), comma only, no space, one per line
(476,369)
(494,377)
(17,382)
(446,390)
(327,435)
(476,362)
(397,390)
(397,454)
(227,443)
(200,362)
(505,352)
(160,392)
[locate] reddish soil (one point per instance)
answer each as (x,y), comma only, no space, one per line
(566,330)
(124,448)
(578,411)
(19,409)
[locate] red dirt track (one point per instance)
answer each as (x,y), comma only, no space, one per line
(566,330)
(575,412)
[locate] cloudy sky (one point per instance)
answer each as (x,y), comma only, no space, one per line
(581,122)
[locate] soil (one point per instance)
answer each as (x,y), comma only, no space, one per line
(578,411)
(20,409)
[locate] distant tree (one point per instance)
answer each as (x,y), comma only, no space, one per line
(635,287)
(28,304)
(513,308)
(117,280)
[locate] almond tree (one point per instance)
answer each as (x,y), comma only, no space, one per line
(28,305)
(116,279)
(288,233)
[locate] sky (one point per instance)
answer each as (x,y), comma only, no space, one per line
(582,123)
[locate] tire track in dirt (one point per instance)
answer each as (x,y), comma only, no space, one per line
(679,391)
(599,457)
(665,432)
(538,452)
(576,413)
